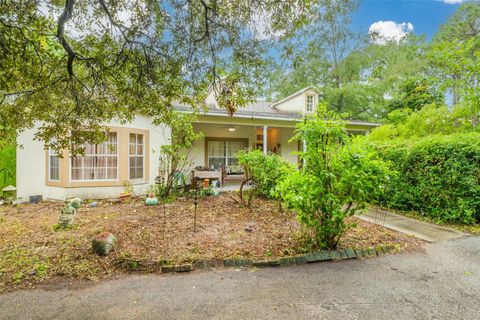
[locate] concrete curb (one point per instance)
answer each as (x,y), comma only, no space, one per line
(313,257)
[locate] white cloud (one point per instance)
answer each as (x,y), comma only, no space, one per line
(382,32)
(453,1)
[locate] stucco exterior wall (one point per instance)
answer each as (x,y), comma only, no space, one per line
(288,148)
(32,166)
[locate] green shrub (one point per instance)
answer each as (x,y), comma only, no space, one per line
(337,180)
(438,177)
(264,171)
(7,166)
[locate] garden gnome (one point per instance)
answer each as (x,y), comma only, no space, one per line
(67,217)
(76,202)
(151,200)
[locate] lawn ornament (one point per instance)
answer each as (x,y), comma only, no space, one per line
(67,217)
(103,243)
(151,200)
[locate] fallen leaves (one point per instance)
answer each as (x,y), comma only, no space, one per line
(32,252)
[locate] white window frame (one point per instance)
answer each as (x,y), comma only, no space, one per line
(107,143)
(136,144)
(307,103)
(50,155)
(225,150)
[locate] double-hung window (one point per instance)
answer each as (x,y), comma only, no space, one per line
(53,166)
(136,156)
(99,162)
(309,103)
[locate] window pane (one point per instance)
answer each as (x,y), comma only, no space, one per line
(139,173)
(216,148)
(90,149)
(112,162)
(76,174)
(136,156)
(133,138)
(112,137)
(101,149)
(77,162)
(234,146)
(132,149)
(54,173)
(232,162)
(112,149)
(88,174)
(216,162)
(54,162)
(88,162)
(112,174)
(101,162)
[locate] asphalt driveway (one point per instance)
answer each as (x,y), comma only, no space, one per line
(441,283)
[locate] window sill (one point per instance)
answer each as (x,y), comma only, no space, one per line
(138,182)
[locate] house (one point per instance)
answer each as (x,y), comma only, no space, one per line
(130,156)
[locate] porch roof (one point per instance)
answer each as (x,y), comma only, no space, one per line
(262,110)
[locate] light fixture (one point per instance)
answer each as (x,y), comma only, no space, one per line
(231,129)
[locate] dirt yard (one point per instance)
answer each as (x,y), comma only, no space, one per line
(32,251)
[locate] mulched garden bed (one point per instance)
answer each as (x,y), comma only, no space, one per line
(32,251)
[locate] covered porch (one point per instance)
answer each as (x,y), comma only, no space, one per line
(215,155)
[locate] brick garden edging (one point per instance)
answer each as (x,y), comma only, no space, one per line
(317,256)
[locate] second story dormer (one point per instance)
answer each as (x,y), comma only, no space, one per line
(304,101)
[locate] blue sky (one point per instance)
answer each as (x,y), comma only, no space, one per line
(426,16)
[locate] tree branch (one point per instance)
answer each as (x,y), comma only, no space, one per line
(64,17)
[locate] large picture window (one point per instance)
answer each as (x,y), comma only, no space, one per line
(221,152)
(136,154)
(53,166)
(100,161)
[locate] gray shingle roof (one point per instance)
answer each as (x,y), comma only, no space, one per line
(260,109)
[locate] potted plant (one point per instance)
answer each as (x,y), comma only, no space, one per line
(126,195)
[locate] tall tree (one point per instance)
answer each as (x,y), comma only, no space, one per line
(354,74)
(457,67)
(315,55)
(71,64)
(463,24)
(462,27)
(414,93)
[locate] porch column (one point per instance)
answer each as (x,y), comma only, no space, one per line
(265,147)
(304,147)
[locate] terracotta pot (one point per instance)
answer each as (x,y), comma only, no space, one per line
(206,183)
(103,243)
(125,197)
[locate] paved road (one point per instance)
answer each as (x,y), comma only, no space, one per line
(442,283)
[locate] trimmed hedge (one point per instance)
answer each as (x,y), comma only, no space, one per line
(438,177)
